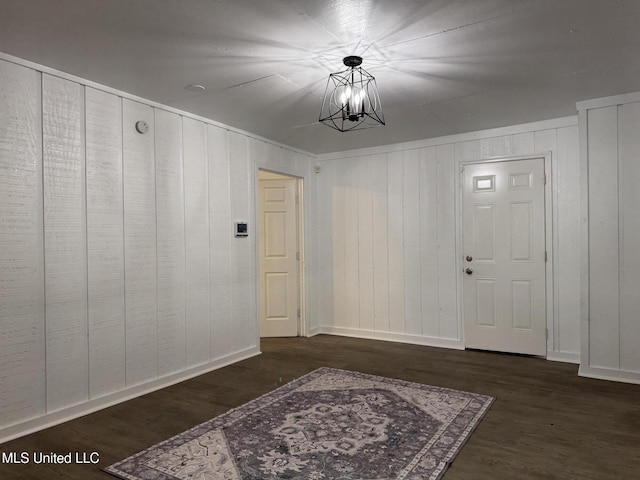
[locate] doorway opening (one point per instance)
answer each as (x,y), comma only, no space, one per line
(280,255)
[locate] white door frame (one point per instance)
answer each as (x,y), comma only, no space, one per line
(301,210)
(551,303)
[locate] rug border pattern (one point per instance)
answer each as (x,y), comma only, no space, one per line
(282,391)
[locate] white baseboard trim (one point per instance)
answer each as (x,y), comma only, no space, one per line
(79,410)
(313,332)
(393,337)
(566,357)
(609,374)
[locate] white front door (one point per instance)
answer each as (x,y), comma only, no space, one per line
(278,246)
(503,287)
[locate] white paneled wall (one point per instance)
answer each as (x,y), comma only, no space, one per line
(22,338)
(386,223)
(140,265)
(105,242)
(65,242)
(610,140)
(170,242)
(119,272)
(221,234)
(196,200)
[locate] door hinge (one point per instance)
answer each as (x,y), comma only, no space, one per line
(546,333)
(297,199)
(298,313)
(298,256)
(544,179)
(545,256)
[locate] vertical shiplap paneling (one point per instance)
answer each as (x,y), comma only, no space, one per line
(411,241)
(380,245)
(196,201)
(22,343)
(365,244)
(140,244)
(351,285)
(241,274)
(65,243)
(274,156)
(302,164)
(170,242)
(323,286)
(251,333)
(544,140)
(495,146)
(395,236)
(429,241)
(522,144)
(568,256)
(258,153)
(288,159)
(105,242)
(604,311)
(446,221)
(338,241)
(220,228)
(466,151)
(629,228)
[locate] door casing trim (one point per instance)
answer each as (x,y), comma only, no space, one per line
(300,213)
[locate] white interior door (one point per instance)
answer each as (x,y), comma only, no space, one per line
(278,246)
(504,298)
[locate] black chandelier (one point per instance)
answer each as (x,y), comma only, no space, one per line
(351,100)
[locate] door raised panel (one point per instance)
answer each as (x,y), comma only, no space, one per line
(275,234)
(521,231)
(484,227)
(522,304)
(274,194)
(276,285)
(520,181)
(486,302)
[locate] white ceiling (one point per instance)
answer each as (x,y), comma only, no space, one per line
(442,67)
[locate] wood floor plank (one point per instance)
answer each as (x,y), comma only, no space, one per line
(547,423)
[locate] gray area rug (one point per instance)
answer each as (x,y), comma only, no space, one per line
(329,424)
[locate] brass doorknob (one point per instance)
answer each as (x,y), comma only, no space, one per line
(468,271)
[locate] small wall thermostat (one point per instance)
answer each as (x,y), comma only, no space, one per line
(142,126)
(241,229)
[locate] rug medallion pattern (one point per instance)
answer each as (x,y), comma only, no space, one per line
(329,424)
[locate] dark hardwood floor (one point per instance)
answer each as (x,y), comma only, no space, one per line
(546,422)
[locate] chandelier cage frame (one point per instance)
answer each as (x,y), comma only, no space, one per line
(351,100)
